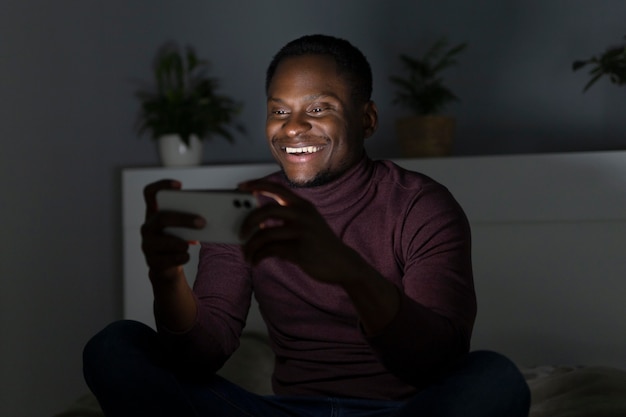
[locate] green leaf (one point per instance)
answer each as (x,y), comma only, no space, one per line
(611,63)
(423,90)
(184,98)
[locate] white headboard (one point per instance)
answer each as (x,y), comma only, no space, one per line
(549,243)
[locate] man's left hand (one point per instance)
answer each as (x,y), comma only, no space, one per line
(295,231)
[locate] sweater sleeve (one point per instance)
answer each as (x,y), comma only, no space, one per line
(433,325)
(223,294)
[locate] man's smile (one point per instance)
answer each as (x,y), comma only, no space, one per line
(302,149)
(314,125)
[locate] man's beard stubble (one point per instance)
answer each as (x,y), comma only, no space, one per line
(322,178)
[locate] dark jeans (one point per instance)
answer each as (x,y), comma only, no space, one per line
(125,369)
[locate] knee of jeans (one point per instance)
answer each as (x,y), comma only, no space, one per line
(502,366)
(109,345)
(493,360)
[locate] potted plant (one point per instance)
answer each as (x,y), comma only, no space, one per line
(426,132)
(611,63)
(183,107)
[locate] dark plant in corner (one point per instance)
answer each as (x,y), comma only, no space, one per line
(426,132)
(184,100)
(423,91)
(612,63)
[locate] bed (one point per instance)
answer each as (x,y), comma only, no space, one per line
(549,233)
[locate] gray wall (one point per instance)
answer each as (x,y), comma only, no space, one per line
(67,112)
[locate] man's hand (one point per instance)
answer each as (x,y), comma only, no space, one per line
(174,305)
(165,254)
(295,231)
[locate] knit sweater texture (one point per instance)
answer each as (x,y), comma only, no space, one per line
(408,227)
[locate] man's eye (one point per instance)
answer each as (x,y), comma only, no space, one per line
(279,112)
(317,109)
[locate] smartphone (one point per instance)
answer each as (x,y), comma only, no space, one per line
(223,210)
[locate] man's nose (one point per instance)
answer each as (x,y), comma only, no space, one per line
(296,125)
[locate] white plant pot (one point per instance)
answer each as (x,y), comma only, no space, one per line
(175,153)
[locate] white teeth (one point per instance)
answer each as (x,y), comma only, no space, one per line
(304,149)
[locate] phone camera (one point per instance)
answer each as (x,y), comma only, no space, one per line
(239,203)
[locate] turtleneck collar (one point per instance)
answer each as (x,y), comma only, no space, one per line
(343,192)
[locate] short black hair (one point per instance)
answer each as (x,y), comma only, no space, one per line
(350,61)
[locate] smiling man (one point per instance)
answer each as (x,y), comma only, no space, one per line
(316,121)
(362,273)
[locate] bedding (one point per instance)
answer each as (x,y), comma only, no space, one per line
(584,391)
(556,391)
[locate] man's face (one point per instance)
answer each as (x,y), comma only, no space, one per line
(314,127)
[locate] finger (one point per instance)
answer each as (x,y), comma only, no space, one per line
(164,243)
(165,251)
(150,191)
(163,219)
(283,195)
(161,250)
(276,249)
(273,241)
(269,216)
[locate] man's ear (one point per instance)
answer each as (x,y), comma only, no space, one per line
(370,119)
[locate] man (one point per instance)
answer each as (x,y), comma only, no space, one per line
(362,271)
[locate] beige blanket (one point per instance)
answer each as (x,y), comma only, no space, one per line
(591,391)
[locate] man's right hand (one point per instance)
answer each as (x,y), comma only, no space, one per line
(165,254)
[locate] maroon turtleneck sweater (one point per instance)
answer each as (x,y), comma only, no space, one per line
(411,230)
